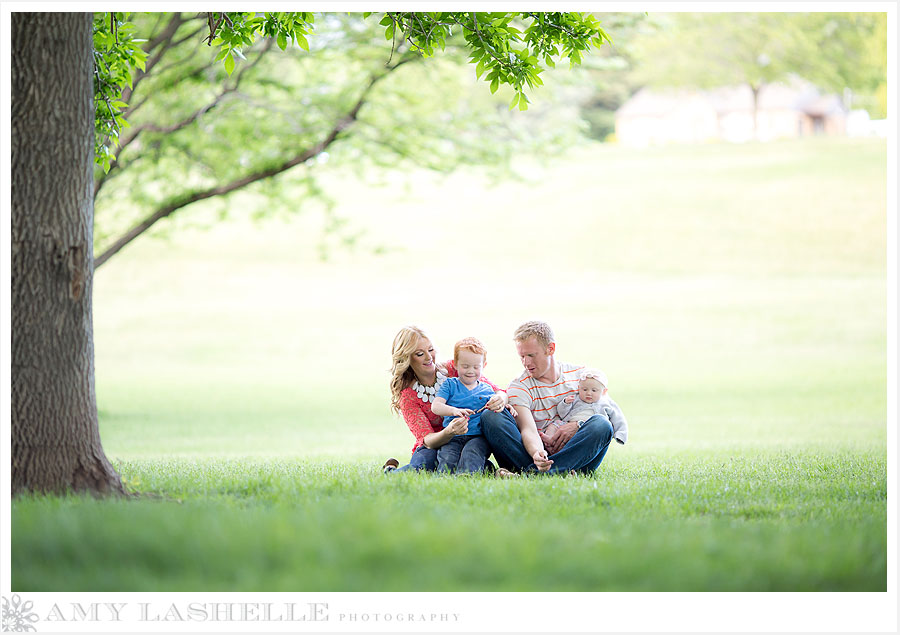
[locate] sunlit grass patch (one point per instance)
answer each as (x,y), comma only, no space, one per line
(692,522)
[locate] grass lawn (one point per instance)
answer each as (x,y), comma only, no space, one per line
(735,296)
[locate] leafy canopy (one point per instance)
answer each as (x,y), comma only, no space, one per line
(280,124)
(506,47)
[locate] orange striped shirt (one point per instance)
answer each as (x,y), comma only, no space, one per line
(542,398)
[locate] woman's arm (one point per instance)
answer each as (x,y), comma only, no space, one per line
(437,439)
(416,419)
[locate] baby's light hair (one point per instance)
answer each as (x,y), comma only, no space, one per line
(537,329)
(593,373)
(469,344)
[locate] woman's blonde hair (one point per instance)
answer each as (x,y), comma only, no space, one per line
(402,376)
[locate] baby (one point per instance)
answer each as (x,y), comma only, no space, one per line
(592,400)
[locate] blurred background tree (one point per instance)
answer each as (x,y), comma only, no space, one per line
(849,57)
(611,73)
(842,53)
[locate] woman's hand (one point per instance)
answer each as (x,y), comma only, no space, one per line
(460,425)
(497,402)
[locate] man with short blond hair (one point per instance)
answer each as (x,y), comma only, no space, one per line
(540,330)
(536,440)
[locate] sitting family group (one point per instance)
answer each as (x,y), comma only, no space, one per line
(555,418)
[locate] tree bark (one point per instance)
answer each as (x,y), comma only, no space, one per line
(755,90)
(55,434)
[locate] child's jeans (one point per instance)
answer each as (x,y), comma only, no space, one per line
(463,453)
(424,458)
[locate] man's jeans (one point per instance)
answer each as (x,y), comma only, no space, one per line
(424,458)
(583,453)
(463,453)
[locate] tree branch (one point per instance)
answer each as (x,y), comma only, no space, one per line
(134,107)
(165,34)
(164,39)
(340,125)
(191,118)
(213,27)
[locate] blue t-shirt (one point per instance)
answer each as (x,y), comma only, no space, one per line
(458,396)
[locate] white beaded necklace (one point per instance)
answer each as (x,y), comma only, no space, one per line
(427,393)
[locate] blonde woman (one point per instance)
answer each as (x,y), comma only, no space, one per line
(416,376)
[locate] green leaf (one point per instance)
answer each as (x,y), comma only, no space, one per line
(229,64)
(302,42)
(281,40)
(515,101)
(494,85)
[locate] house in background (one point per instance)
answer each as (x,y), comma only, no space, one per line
(798,109)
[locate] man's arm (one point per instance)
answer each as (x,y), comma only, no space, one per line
(530,438)
(498,401)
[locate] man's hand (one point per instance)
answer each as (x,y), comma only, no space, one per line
(565,432)
(541,462)
(460,425)
(546,438)
(497,402)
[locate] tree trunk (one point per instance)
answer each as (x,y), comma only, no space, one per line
(55,433)
(755,89)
